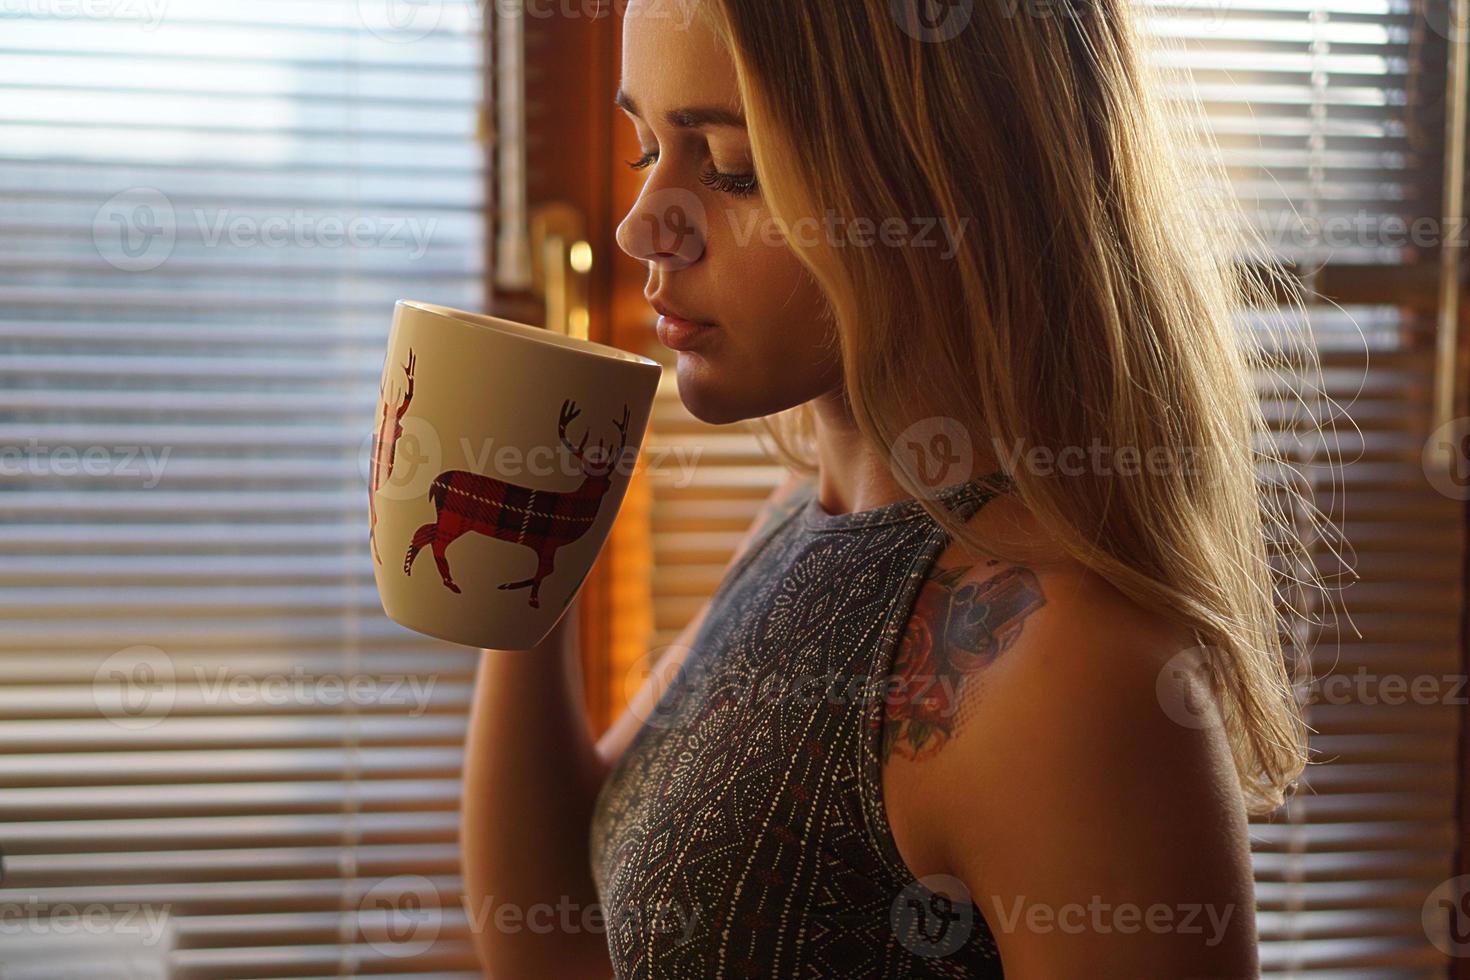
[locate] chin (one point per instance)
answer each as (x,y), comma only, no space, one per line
(708,400)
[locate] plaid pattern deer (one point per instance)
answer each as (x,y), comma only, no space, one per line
(542,520)
(385,442)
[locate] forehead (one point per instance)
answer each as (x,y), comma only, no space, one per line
(671,58)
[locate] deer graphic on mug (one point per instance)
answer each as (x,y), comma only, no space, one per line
(385,441)
(542,520)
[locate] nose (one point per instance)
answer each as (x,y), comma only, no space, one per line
(665,227)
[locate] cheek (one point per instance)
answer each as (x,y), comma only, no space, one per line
(764,285)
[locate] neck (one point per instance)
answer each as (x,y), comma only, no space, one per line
(852,475)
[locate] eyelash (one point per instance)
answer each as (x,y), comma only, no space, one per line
(736,185)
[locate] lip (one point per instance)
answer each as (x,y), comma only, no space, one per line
(677,330)
(678,334)
(665,309)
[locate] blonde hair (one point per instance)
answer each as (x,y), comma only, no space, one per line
(1084,303)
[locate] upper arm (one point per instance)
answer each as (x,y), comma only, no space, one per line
(641,703)
(1099,829)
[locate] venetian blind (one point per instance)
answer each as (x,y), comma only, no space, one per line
(1318,108)
(211,738)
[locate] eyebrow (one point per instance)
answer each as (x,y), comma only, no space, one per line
(689,117)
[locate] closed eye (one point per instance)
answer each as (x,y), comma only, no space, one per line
(736,185)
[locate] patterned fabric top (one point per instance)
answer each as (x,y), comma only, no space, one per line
(743,832)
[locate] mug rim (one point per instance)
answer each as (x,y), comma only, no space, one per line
(589,348)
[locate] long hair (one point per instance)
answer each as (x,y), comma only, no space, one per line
(1086,301)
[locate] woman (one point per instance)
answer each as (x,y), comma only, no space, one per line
(993,681)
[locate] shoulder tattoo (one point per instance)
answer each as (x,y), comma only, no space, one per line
(956,629)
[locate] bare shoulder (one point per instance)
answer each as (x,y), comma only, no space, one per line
(1035,749)
(976,615)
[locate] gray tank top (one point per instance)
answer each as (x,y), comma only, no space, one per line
(743,832)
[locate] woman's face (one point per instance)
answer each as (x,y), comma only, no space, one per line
(701,226)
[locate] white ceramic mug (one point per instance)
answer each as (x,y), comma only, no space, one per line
(499,456)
